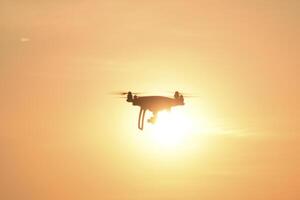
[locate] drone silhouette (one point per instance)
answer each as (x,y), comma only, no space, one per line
(152,103)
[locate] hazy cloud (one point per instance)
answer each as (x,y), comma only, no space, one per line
(24,39)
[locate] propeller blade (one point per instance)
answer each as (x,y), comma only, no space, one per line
(185,94)
(124,93)
(137,93)
(118,93)
(190,96)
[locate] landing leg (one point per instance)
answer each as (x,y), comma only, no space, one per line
(141,123)
(143,117)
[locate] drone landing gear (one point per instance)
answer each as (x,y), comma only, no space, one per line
(141,123)
(152,120)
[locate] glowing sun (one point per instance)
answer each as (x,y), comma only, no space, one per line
(171,128)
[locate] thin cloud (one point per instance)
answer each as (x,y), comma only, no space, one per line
(24,39)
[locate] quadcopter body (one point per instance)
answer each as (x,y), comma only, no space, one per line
(154,104)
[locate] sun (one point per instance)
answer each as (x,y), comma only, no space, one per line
(171,129)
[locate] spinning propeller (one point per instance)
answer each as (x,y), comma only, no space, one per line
(122,94)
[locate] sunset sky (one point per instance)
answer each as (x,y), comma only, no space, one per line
(63,136)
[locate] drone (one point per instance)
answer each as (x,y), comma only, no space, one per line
(152,103)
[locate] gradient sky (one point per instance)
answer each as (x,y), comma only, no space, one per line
(63,137)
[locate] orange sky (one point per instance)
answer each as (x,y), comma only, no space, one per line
(63,137)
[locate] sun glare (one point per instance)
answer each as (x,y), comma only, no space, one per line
(171,129)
